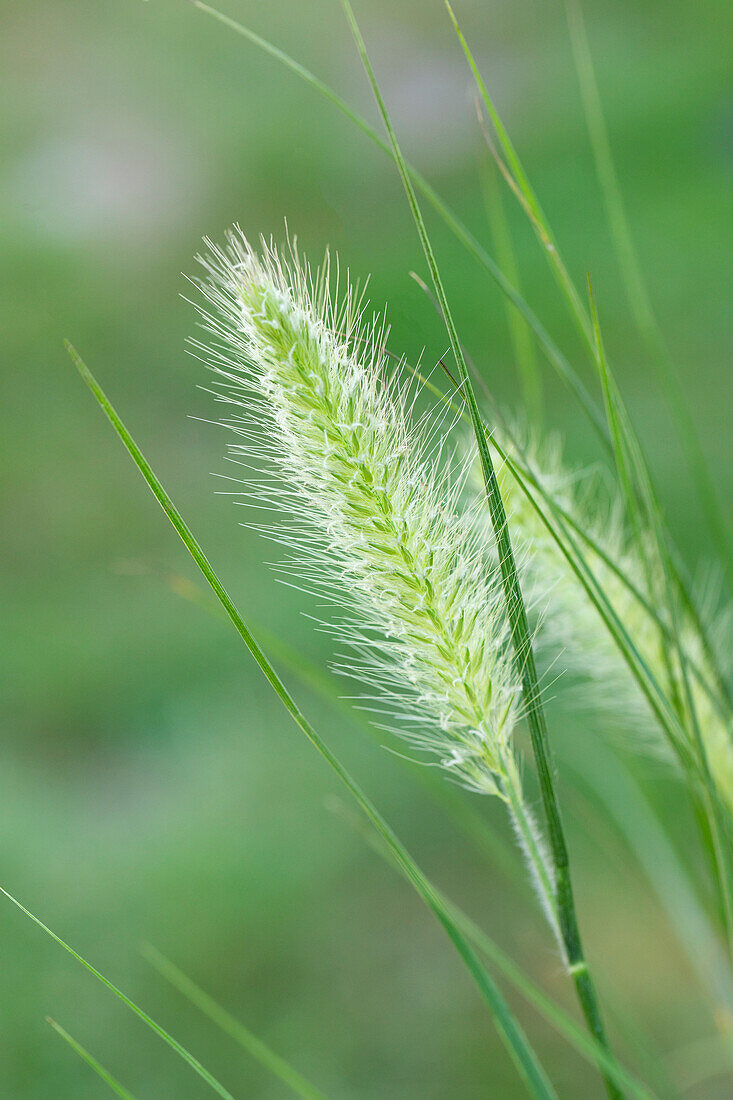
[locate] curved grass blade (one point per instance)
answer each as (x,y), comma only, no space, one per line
(524,348)
(555,357)
(562,527)
(509,1029)
(714,686)
(161,1032)
(636,290)
(231,1026)
(516,612)
(91,1061)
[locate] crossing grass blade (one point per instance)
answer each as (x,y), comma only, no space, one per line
(91,1061)
(142,1015)
(522,1054)
(277,1066)
(517,180)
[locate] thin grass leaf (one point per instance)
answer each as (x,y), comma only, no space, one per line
(555,357)
(522,343)
(91,1061)
(562,526)
(509,1029)
(517,179)
(148,1020)
(231,1026)
(635,285)
(567,916)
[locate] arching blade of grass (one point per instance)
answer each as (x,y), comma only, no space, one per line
(231,1026)
(563,528)
(91,1061)
(148,1020)
(509,1029)
(636,290)
(581,1041)
(521,641)
(522,343)
(555,357)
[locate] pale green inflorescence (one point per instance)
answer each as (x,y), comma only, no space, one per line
(571,626)
(374,514)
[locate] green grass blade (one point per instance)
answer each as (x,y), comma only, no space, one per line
(555,357)
(522,343)
(563,1023)
(572,554)
(231,1026)
(91,1061)
(521,640)
(509,1029)
(636,290)
(638,297)
(517,179)
(148,1020)
(715,688)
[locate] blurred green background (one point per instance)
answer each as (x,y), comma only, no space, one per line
(151,787)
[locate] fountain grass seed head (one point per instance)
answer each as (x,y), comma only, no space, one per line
(369,504)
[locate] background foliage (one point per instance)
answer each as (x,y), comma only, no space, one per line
(151,788)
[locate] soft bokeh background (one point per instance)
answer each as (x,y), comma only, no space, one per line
(151,787)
